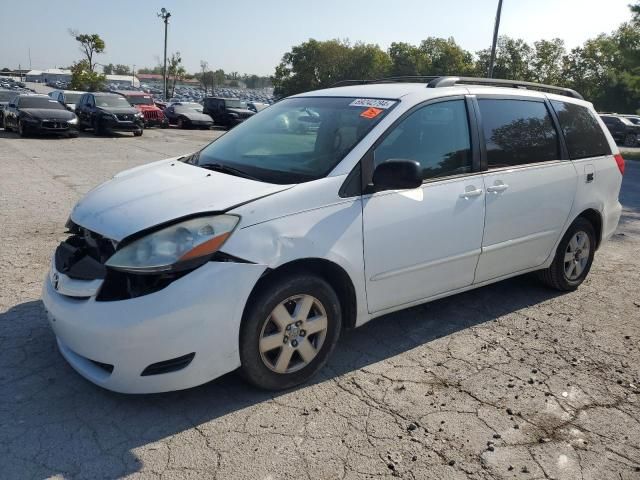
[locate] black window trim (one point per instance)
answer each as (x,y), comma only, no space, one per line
(364,168)
(483,145)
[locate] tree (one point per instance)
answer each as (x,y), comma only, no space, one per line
(82,78)
(513,60)
(204,65)
(547,62)
(319,64)
(175,70)
(406,59)
(108,69)
(121,70)
(90,45)
(445,57)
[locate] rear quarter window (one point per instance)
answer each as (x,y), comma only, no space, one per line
(581,130)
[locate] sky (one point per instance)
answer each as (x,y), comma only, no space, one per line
(250,36)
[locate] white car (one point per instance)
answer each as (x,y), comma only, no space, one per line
(69,98)
(257,251)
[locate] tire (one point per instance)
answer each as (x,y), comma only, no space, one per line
(97,128)
(72,135)
(560,275)
(22,130)
(182,123)
(138,133)
(629,140)
(263,363)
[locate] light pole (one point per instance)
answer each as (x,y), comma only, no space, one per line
(495,39)
(165,15)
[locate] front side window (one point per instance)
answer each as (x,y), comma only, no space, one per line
(295,140)
(517,132)
(436,136)
(582,133)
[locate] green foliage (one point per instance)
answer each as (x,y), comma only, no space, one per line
(82,78)
(90,45)
(175,70)
(119,69)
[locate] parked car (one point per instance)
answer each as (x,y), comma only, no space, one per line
(623,130)
(108,112)
(32,114)
(258,250)
(5,96)
(67,97)
(188,115)
(153,116)
(226,112)
(635,119)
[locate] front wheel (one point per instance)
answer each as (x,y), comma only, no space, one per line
(289,329)
(137,133)
(22,130)
(573,259)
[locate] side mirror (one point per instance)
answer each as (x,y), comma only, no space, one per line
(12,105)
(397,174)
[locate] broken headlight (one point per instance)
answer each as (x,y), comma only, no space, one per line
(173,248)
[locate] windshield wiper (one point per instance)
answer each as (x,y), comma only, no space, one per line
(218,167)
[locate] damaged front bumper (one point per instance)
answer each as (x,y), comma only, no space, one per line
(115,344)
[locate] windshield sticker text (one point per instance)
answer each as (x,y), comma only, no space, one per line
(372,102)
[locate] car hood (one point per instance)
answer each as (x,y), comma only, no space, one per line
(118,110)
(49,114)
(160,192)
(193,115)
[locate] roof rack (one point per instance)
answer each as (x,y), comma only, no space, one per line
(436,81)
(498,82)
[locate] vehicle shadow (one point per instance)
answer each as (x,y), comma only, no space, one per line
(55,422)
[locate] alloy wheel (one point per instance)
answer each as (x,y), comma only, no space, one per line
(293,334)
(576,256)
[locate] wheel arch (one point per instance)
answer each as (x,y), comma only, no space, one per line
(595,218)
(331,272)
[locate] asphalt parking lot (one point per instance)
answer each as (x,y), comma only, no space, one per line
(508,381)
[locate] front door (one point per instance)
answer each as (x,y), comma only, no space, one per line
(423,242)
(530,191)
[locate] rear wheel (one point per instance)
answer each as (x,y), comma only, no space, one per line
(630,140)
(182,123)
(573,259)
(289,329)
(97,127)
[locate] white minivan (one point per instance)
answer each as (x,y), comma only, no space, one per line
(320,213)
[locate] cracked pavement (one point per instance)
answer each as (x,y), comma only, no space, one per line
(509,381)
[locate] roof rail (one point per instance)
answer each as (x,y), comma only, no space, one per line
(447,81)
(398,79)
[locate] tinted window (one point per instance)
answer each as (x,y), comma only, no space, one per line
(581,130)
(517,132)
(436,136)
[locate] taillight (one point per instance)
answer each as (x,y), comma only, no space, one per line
(620,162)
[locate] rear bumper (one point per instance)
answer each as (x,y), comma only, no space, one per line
(199,313)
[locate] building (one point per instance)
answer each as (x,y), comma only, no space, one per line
(48,75)
(123,80)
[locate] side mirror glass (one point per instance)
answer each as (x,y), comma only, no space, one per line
(397,174)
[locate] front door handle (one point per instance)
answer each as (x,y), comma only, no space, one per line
(471,193)
(499,187)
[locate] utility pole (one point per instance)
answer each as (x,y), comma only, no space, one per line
(165,15)
(495,39)
(133,76)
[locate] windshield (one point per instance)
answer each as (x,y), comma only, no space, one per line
(72,97)
(111,101)
(140,100)
(6,95)
(234,103)
(295,140)
(40,102)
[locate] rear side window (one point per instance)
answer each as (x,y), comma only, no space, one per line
(517,132)
(436,136)
(581,130)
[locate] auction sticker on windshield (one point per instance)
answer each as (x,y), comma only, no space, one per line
(372,102)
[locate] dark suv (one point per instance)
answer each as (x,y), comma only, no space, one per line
(623,130)
(227,112)
(108,112)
